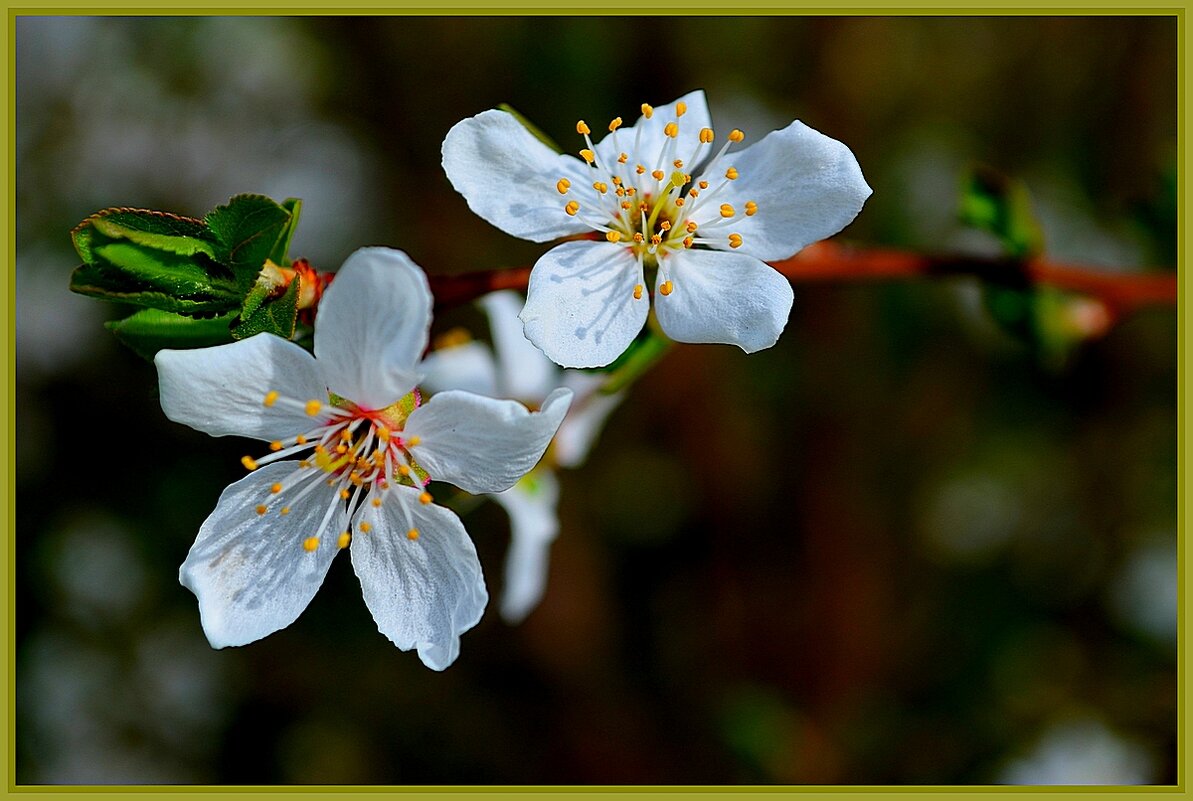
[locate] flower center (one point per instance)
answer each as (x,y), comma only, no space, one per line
(643,198)
(358,453)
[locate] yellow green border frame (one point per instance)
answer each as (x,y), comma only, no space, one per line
(593,793)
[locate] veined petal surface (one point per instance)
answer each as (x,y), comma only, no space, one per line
(470,367)
(481,444)
(250,572)
(524,372)
(221,390)
(425,592)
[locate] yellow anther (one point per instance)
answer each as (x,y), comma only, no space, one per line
(313,407)
(285,510)
(638,292)
(563,185)
(276,445)
(376,503)
(736,135)
(735,240)
(300,439)
(687,178)
(365,527)
(666,288)
(415,440)
(727,211)
(344,540)
(707,135)
(412,534)
(638,238)
(657,175)
(425,498)
(341,448)
(382,434)
(665,225)
(631,191)
(687,242)
(704,184)
(617,178)
(679,201)
(751,208)
(640,169)
(691,227)
(346,435)
(403,470)
(681,108)
(345,494)
(627,205)
(613,236)
(693,193)
(270,398)
(647,110)
(571,208)
(619,191)
(601,187)
(586,154)
(582,128)
(678,164)
(623,158)
(731,173)
(310,544)
(249,462)
(383,484)
(304,462)
(262,509)
(671,129)
(615,124)
(320,450)
(656,240)
(275,488)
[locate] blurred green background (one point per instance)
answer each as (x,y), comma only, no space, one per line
(899,547)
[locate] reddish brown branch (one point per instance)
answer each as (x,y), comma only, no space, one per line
(1121,293)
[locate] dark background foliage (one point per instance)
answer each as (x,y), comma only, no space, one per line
(898,547)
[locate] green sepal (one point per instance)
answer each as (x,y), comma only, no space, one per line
(1002,206)
(248,230)
(640,356)
(273,316)
(159,230)
(530,126)
(149,330)
(280,255)
(142,276)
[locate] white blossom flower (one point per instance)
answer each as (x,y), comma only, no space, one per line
(520,371)
(352,448)
(662,199)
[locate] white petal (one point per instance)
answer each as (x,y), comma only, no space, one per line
(480,444)
(469,367)
(508,176)
(807,186)
(372,327)
(524,372)
(250,572)
(221,390)
(584,420)
(534,524)
(423,593)
(652,139)
(580,306)
(730,298)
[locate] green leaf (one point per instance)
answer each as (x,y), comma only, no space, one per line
(248,230)
(1002,206)
(274,316)
(530,126)
(280,255)
(157,229)
(129,273)
(149,330)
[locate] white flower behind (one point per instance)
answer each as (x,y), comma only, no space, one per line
(520,371)
(362,447)
(668,203)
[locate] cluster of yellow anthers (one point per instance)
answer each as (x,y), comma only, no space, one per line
(653,206)
(356,453)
